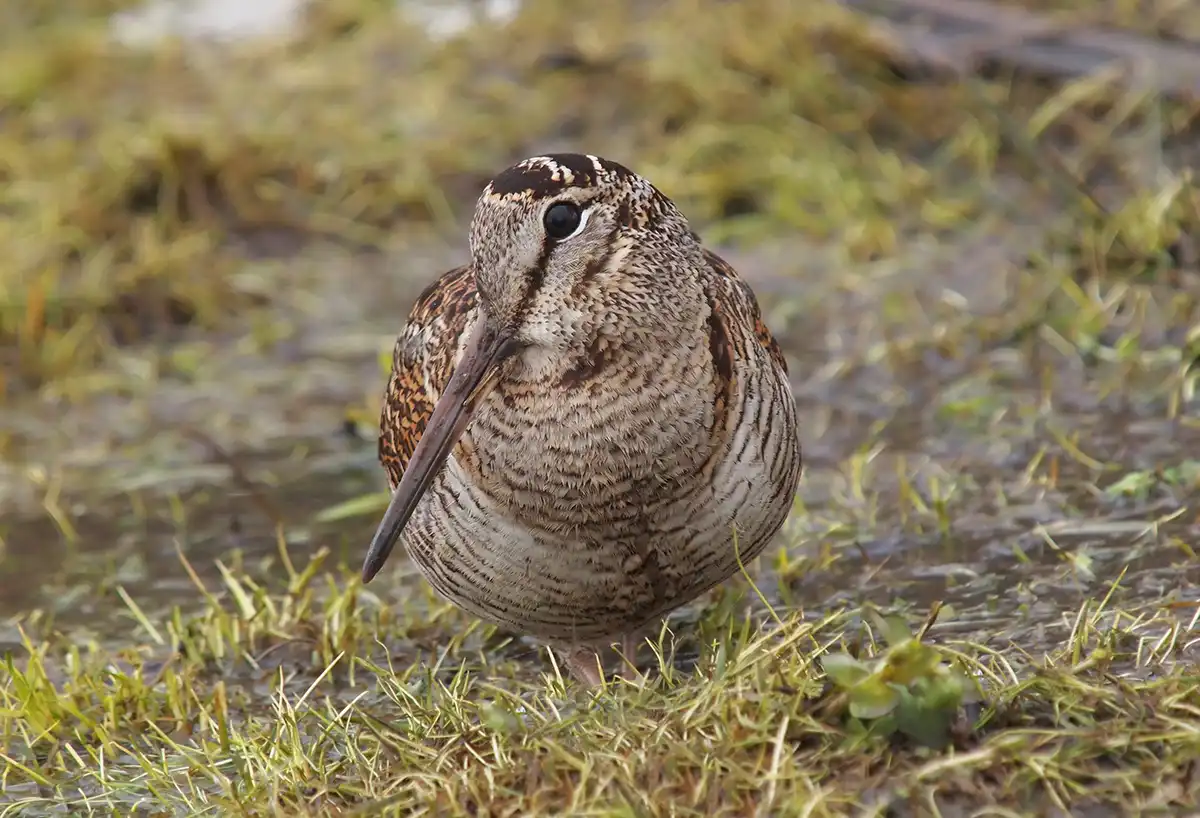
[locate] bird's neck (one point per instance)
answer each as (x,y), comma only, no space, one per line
(640,323)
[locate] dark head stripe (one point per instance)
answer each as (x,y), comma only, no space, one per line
(542,176)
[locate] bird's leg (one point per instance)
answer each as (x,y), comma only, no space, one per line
(630,643)
(583,661)
(584,664)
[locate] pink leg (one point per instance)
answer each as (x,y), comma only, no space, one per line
(630,643)
(584,664)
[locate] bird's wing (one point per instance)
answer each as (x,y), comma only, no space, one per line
(735,306)
(422,363)
(750,388)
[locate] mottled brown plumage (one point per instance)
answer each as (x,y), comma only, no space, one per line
(578,421)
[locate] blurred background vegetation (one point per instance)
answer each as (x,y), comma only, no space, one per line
(144,183)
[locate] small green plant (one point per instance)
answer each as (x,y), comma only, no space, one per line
(1139,484)
(909,689)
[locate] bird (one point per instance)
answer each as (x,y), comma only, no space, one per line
(589,424)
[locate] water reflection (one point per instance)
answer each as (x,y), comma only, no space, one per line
(232,20)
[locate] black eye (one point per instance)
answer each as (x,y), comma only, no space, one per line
(562,219)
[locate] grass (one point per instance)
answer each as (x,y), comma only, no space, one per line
(290,701)
(986,596)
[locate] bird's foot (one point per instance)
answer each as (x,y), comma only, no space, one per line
(584,665)
(584,662)
(630,643)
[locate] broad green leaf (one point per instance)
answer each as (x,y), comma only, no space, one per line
(896,631)
(924,724)
(873,698)
(893,629)
(844,670)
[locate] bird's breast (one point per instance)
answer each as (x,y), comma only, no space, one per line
(587,460)
(574,513)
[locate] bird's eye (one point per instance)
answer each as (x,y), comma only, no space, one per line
(563,220)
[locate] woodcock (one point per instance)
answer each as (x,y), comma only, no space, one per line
(589,425)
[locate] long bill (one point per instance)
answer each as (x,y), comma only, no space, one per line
(473,378)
